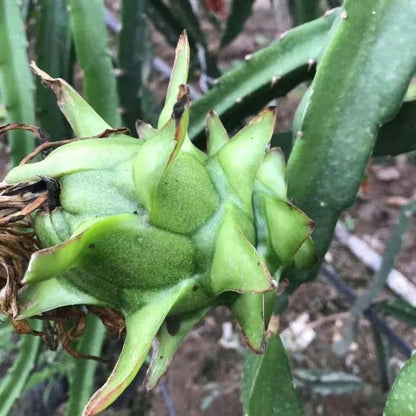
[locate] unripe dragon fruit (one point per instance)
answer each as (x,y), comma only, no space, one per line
(155,228)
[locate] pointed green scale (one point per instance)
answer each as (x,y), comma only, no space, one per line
(248,310)
(263,240)
(168,343)
(306,256)
(141,327)
(180,114)
(185,197)
(151,161)
(59,224)
(178,77)
(51,262)
(289,227)
(272,173)
(83,119)
(242,155)
(144,130)
(189,147)
(111,250)
(78,156)
(236,265)
(217,135)
(270,180)
(184,144)
(51,228)
(35,299)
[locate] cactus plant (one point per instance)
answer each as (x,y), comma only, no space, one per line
(153,227)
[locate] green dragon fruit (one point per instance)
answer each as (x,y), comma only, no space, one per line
(157,229)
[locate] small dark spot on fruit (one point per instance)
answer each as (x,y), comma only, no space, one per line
(195,288)
(172,325)
(179,108)
(91,246)
(258,263)
(135,212)
(53,189)
(161,357)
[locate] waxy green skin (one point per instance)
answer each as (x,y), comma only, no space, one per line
(402,397)
(155,228)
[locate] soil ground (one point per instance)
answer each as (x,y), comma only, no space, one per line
(204,376)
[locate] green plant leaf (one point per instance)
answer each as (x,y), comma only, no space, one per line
(6,342)
(350,100)
(240,12)
(84,120)
(334,3)
(25,8)
(394,138)
(50,371)
(17,87)
(383,349)
(134,59)
(267,387)
(398,309)
(164,21)
(398,135)
(283,140)
(402,398)
(182,11)
(53,55)
(82,382)
(91,45)
(303,10)
(270,72)
(178,77)
(171,18)
(15,79)
(13,383)
(326,382)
